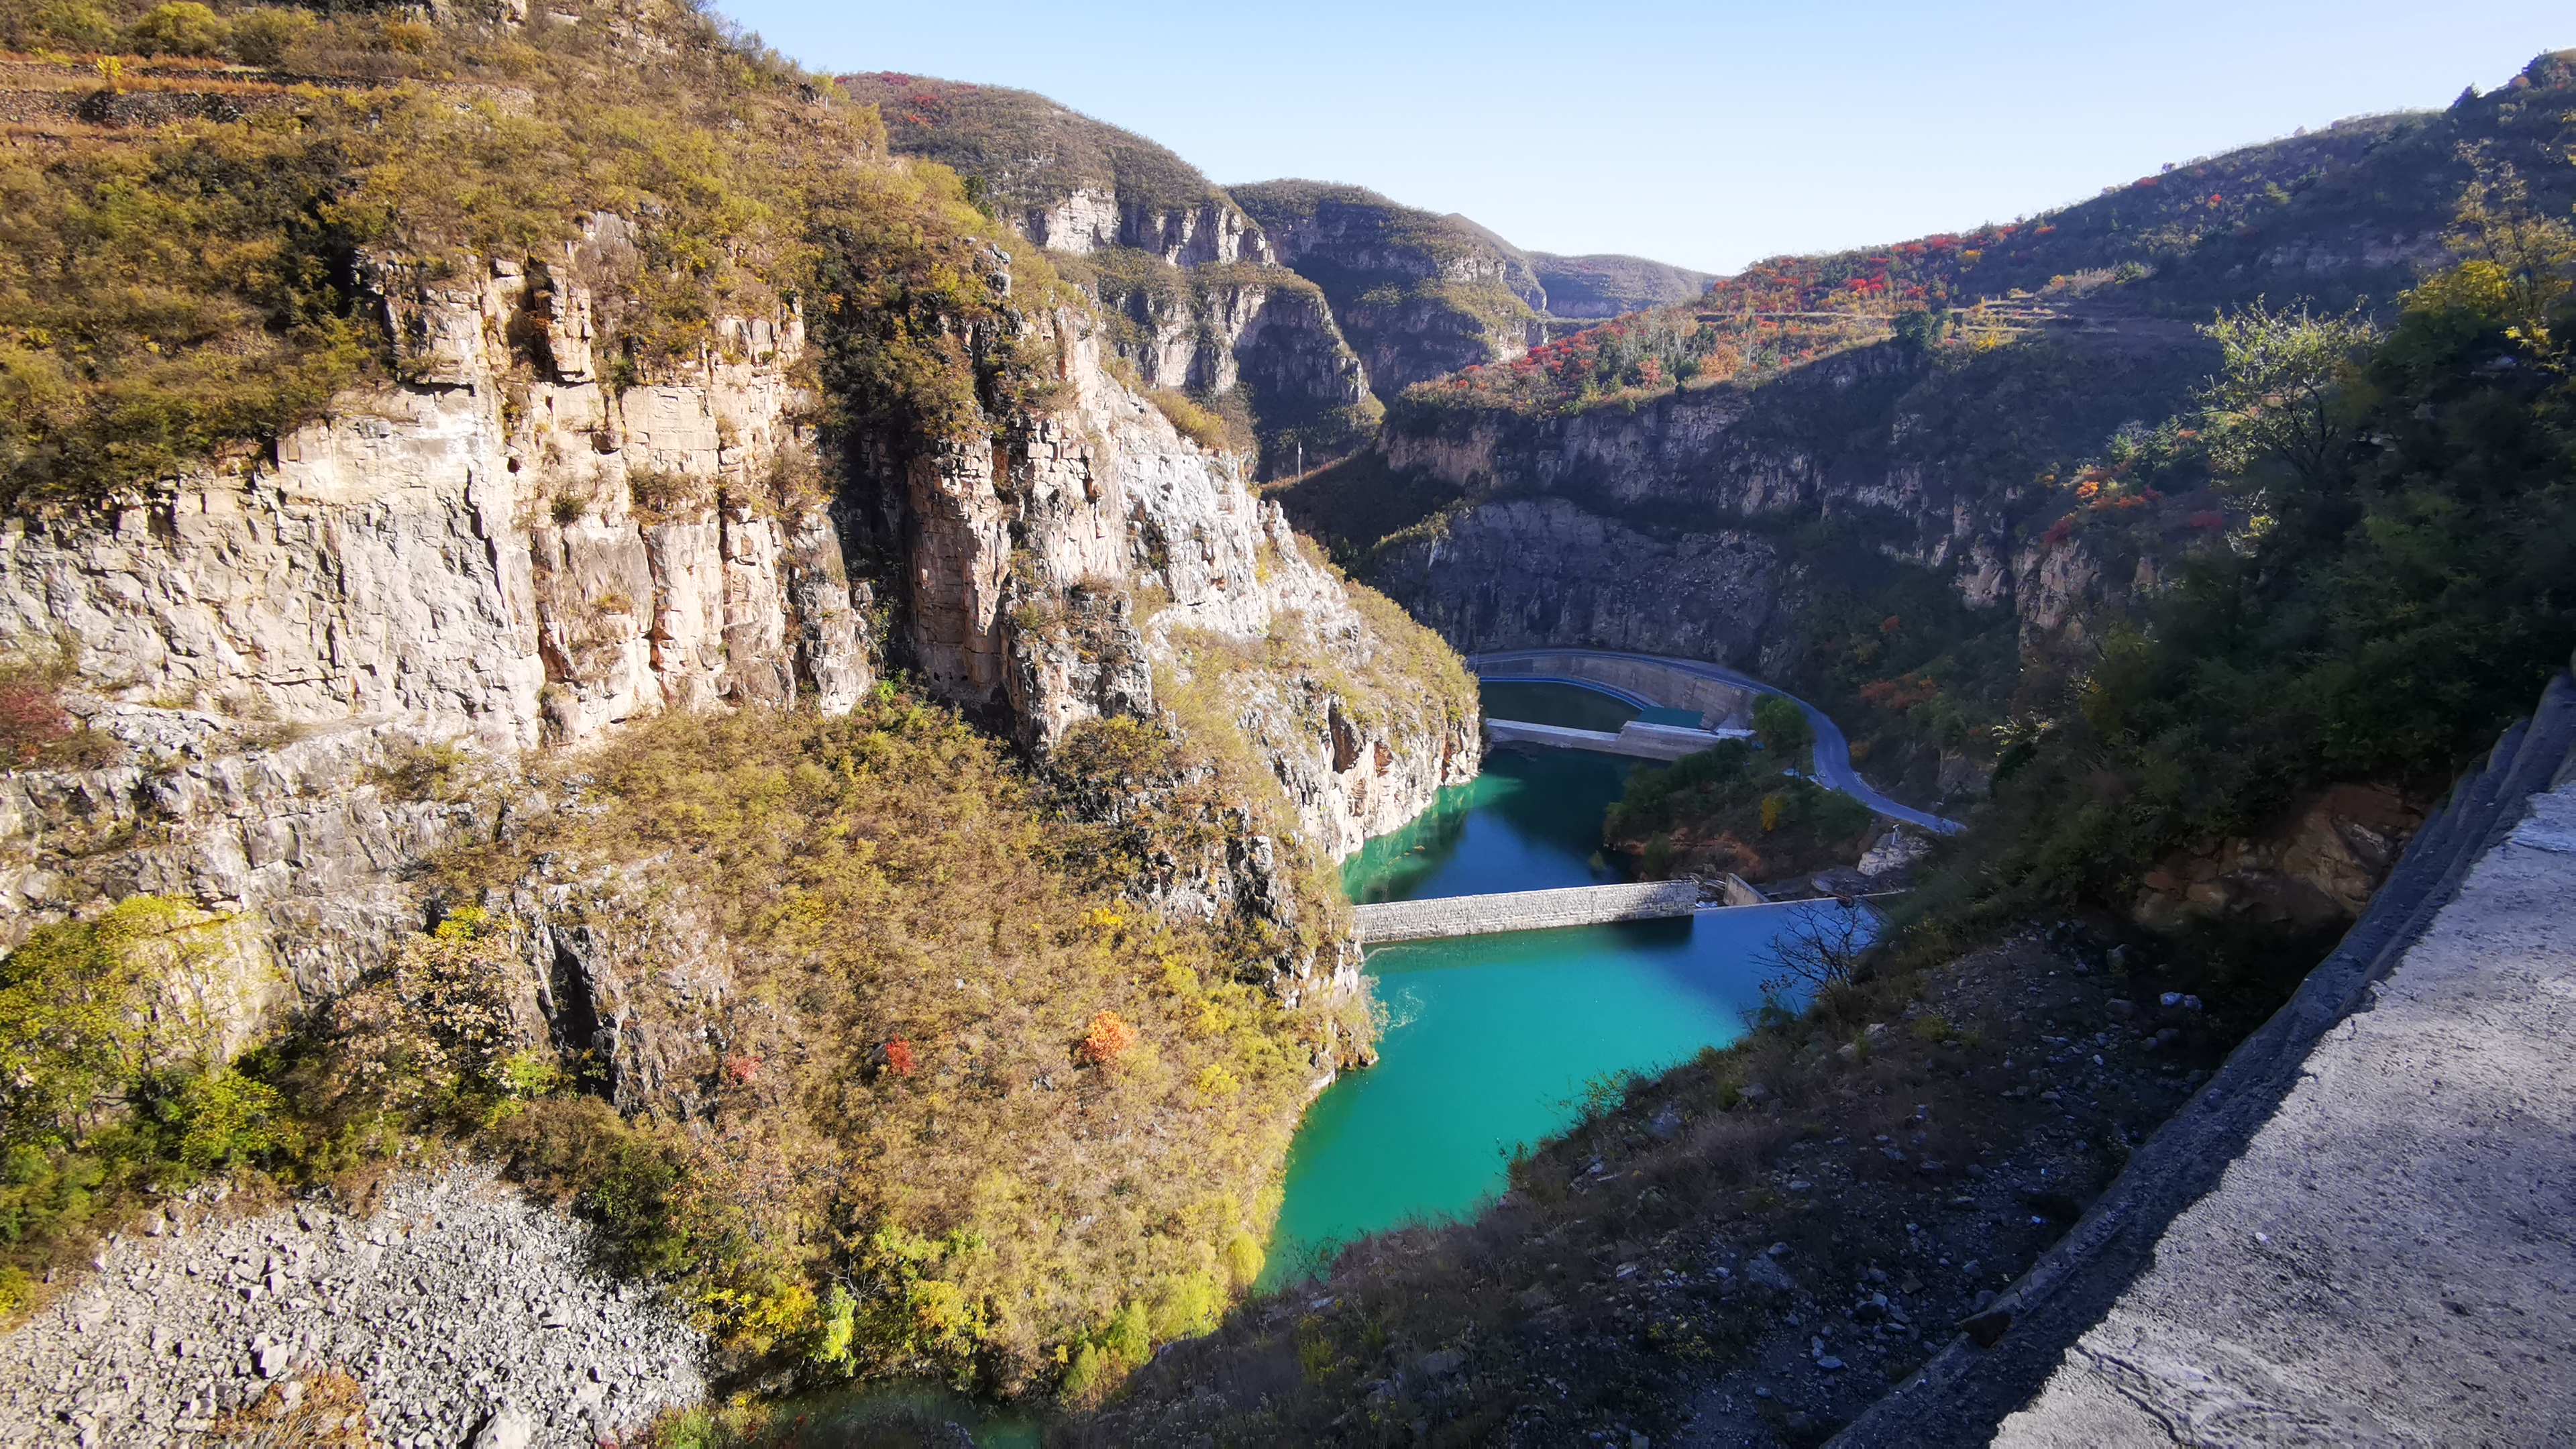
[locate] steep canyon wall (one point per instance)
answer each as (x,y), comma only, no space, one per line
(319,667)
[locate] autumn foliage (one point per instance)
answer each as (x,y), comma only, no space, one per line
(1108,1040)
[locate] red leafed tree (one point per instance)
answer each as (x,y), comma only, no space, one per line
(1108,1040)
(898,1054)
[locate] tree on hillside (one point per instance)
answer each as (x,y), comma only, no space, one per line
(1782,725)
(1821,948)
(2280,400)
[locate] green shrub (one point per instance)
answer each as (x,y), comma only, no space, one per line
(77,24)
(267,34)
(182,27)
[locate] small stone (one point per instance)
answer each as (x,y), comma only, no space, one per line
(1829,1363)
(506,1428)
(2117,1007)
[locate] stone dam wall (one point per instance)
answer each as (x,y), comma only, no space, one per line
(1526,910)
(1723,704)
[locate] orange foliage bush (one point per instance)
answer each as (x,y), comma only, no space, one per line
(1108,1040)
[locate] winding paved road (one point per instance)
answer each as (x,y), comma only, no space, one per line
(1833,752)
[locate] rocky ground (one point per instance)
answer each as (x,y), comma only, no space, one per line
(462,1310)
(1963,1194)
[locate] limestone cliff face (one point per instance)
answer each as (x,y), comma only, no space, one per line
(467,553)
(1050,575)
(309,660)
(1418,295)
(1656,501)
(1208,232)
(1534,571)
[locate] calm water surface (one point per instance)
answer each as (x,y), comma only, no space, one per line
(1490,1040)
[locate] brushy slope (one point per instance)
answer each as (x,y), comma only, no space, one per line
(1027,150)
(1606,285)
(2312,214)
(184,291)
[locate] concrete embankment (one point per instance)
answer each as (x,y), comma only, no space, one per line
(1526,910)
(2359,1231)
(1720,694)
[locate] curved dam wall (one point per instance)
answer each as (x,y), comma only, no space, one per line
(2357,1231)
(1634,678)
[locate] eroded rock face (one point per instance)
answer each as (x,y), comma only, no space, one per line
(1093,217)
(1670,485)
(1539,571)
(1052,574)
(470,553)
(2315,867)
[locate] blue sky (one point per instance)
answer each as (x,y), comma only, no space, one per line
(1707,135)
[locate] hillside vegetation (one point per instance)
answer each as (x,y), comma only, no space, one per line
(2305,215)
(193,289)
(907,1081)
(1024,150)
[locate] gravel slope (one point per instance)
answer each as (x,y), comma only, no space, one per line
(457,1304)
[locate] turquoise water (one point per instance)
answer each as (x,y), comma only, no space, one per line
(1556,704)
(1491,1040)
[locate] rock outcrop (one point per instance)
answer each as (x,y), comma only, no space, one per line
(1418,295)
(481,551)
(1526,572)
(1049,576)
(1680,507)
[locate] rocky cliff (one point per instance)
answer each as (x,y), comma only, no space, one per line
(1186,280)
(510,554)
(1418,295)
(1698,523)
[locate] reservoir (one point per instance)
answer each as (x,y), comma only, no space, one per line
(1491,1041)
